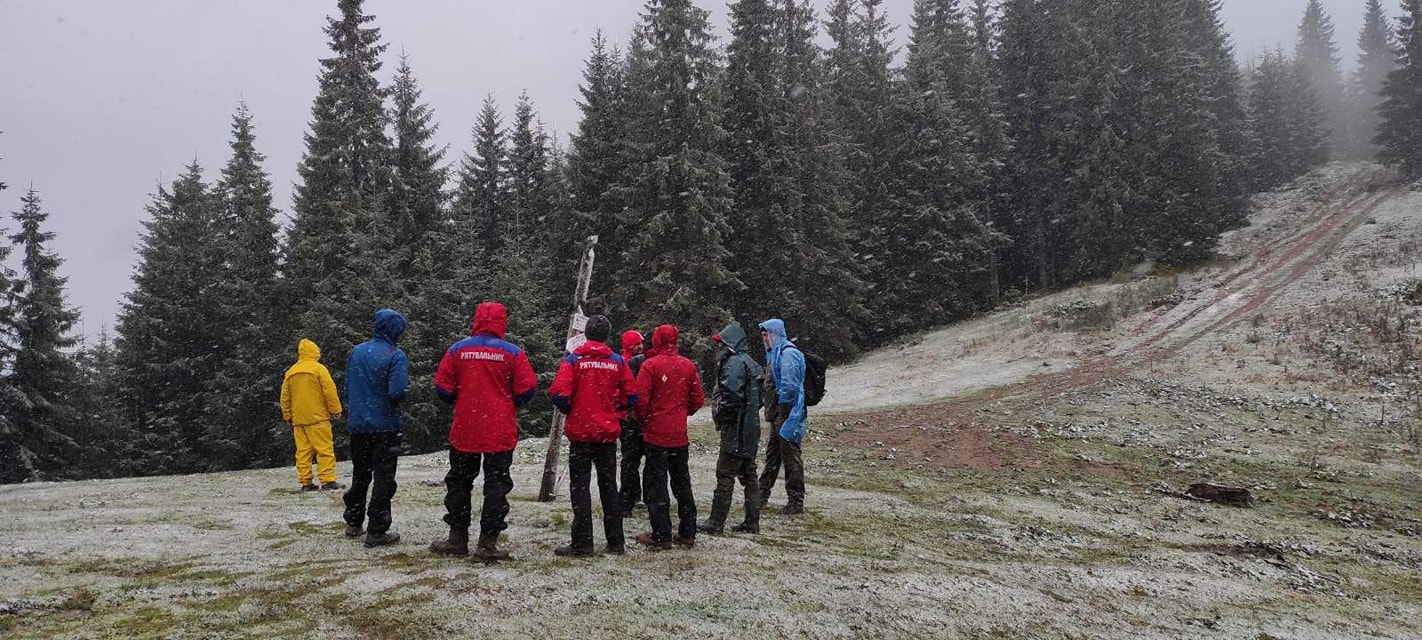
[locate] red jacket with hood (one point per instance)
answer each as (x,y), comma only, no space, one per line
(487,379)
(669,391)
(593,388)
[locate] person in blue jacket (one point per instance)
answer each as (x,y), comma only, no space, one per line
(785,411)
(377,379)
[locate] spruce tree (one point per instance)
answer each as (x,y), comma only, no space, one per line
(1269,123)
(1175,163)
(678,192)
(166,339)
(859,96)
(1044,57)
(829,288)
(931,250)
(1308,115)
(598,161)
(251,322)
(1317,56)
(1206,38)
(482,181)
(987,126)
(1377,58)
(1401,109)
(524,266)
(766,238)
(339,236)
(105,438)
(418,217)
(1286,123)
(42,373)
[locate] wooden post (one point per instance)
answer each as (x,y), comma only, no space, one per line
(576,323)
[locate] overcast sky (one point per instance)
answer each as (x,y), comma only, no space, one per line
(101,100)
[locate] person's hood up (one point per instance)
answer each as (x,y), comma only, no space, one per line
(734,337)
(491,318)
(389,325)
(775,327)
(630,338)
(593,349)
(307,350)
(664,340)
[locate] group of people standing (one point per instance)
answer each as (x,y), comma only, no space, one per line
(641,398)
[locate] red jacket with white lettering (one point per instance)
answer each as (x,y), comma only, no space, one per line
(593,387)
(669,390)
(486,379)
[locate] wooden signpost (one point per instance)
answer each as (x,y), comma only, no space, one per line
(577,321)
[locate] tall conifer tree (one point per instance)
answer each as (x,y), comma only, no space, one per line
(1317,56)
(42,373)
(418,217)
(252,321)
(338,238)
(166,337)
(678,192)
(1377,57)
(1401,109)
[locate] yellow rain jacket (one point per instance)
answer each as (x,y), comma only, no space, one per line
(308,395)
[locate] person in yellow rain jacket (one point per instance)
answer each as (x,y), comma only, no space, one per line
(308,403)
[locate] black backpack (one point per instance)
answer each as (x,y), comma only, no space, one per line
(815,368)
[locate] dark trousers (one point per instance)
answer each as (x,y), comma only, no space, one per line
(372,455)
(661,464)
(777,452)
(729,468)
(459,487)
(633,450)
(582,457)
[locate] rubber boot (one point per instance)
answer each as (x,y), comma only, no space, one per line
(715,524)
(753,505)
(383,540)
(456,545)
(488,548)
(571,551)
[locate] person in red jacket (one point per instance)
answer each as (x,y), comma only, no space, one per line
(669,390)
(486,379)
(633,449)
(594,387)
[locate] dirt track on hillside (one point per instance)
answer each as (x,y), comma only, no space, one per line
(1232,293)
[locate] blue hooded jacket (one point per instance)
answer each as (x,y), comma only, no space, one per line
(787,370)
(377,378)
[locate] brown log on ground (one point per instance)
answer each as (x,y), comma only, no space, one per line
(1233,496)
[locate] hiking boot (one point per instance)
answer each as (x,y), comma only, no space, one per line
(793,509)
(333,486)
(571,551)
(354,531)
(683,542)
(309,487)
(456,545)
(383,540)
(713,528)
(616,550)
(746,528)
(646,540)
(488,548)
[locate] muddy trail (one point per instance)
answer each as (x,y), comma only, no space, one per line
(1235,289)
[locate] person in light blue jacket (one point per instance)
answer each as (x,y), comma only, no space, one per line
(785,411)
